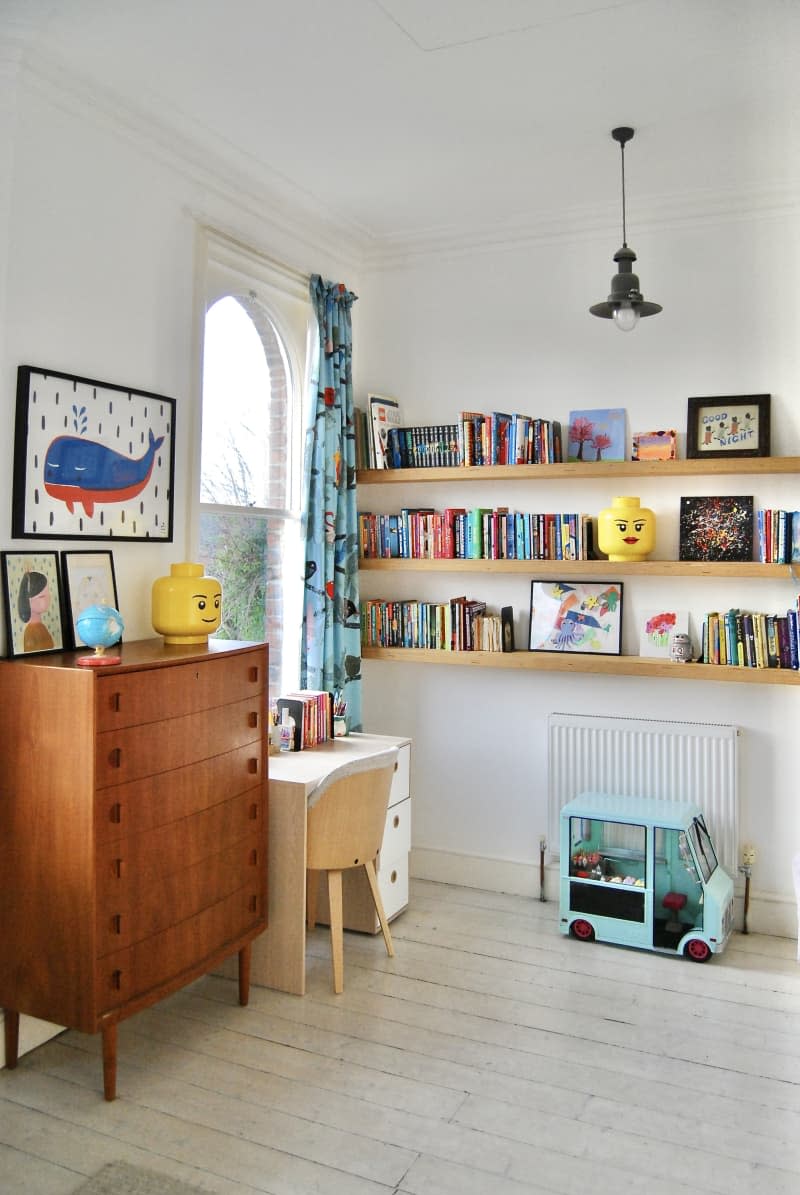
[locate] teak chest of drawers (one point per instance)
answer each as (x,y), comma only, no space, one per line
(133,830)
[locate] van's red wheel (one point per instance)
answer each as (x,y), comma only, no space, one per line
(697,950)
(583,930)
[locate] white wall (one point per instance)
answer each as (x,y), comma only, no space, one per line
(509,329)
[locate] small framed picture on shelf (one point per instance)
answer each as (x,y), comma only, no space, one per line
(596,435)
(33,604)
(576,616)
(716,528)
(88,581)
(737,425)
(654,446)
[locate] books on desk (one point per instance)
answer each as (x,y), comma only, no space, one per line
(309,712)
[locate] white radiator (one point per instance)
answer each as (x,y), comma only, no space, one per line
(686,761)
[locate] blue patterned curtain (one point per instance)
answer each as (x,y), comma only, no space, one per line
(331,648)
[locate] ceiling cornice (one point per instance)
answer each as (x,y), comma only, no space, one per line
(268,197)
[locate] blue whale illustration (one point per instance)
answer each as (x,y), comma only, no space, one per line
(86,472)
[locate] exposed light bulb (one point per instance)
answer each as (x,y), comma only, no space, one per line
(626,318)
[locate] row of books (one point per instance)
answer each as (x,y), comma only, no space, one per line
(475,534)
(308,715)
(503,439)
(778,536)
(462,624)
(741,639)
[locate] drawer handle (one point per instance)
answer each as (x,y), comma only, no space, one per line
(253,812)
(116,924)
(393,878)
(115,757)
(395,821)
(116,702)
(253,860)
(253,720)
(116,981)
(253,904)
(254,674)
(115,813)
(117,868)
(253,765)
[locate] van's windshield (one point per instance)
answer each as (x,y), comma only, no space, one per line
(703,848)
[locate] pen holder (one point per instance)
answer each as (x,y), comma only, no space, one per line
(339,726)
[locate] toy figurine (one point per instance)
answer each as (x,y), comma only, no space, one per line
(626,530)
(187,607)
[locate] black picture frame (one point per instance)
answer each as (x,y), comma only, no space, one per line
(88,579)
(576,617)
(33,603)
(735,425)
(92,460)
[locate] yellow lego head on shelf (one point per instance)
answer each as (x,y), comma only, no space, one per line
(187,607)
(626,530)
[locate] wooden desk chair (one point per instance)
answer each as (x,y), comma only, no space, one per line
(346,817)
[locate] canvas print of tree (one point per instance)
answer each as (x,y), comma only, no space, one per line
(597,435)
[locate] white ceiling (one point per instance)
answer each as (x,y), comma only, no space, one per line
(412,119)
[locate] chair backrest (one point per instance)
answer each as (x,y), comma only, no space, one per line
(345,826)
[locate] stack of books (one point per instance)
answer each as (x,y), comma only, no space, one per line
(778,536)
(502,439)
(741,639)
(308,714)
(462,624)
(479,533)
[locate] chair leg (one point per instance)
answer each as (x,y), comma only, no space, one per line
(312,895)
(337,929)
(369,868)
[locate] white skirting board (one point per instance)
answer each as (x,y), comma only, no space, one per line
(769,913)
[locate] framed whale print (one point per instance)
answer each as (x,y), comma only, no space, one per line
(92,460)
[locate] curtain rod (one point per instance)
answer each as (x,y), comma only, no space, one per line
(290,271)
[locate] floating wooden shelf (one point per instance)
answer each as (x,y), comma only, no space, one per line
(596,470)
(540,661)
(604,569)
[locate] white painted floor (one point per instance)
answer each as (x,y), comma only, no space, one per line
(492,1056)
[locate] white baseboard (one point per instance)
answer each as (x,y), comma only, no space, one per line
(32,1033)
(769,913)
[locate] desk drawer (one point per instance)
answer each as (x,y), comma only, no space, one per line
(401,781)
(397,830)
(155,694)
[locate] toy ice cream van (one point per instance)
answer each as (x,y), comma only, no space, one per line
(641,871)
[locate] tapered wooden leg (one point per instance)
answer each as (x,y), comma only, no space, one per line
(110,1061)
(337,929)
(312,896)
(369,868)
(11,1034)
(245,954)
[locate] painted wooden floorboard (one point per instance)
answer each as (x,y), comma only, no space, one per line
(491,1056)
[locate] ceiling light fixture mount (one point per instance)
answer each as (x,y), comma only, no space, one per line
(625,304)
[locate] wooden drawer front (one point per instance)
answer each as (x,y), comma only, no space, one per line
(145,858)
(157,800)
(397,831)
(152,694)
(130,908)
(138,751)
(401,781)
(178,951)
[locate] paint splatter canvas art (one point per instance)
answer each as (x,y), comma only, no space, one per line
(719,528)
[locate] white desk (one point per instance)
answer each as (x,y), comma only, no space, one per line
(279,954)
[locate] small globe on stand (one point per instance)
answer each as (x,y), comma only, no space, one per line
(99,627)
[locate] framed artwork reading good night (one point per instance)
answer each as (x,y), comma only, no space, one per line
(92,460)
(733,426)
(576,616)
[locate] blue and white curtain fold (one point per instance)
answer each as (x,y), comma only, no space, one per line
(331,647)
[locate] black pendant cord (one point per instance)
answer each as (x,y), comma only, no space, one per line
(624,233)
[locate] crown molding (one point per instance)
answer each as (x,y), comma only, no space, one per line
(206,161)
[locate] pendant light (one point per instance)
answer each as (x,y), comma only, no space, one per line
(625,304)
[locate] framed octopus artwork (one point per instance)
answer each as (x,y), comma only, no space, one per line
(576,616)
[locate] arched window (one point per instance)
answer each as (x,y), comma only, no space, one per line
(250,457)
